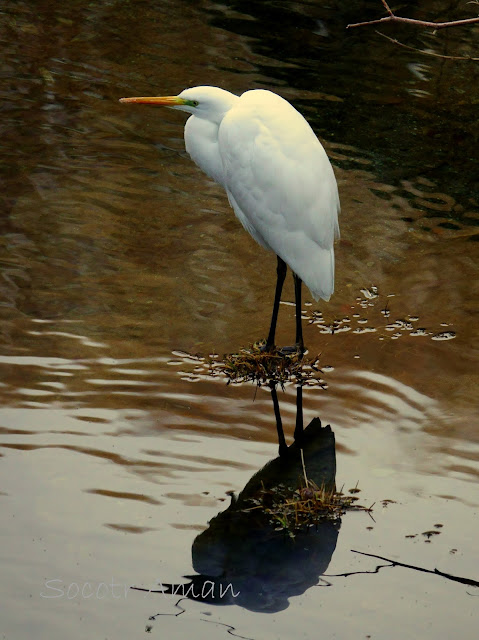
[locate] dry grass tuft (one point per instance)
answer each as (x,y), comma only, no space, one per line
(294,510)
(253,364)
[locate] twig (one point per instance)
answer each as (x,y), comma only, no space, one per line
(396,563)
(424,51)
(386,6)
(304,468)
(392,17)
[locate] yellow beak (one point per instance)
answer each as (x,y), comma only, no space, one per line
(165,101)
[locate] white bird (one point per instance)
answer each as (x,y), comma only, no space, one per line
(277,176)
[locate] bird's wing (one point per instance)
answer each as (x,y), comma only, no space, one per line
(280,178)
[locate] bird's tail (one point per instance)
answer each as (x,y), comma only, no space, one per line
(316,270)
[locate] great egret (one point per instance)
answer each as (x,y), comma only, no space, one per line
(277,176)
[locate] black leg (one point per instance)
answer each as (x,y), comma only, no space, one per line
(298,430)
(283,447)
(299,326)
(281,275)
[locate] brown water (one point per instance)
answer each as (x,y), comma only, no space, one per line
(118,258)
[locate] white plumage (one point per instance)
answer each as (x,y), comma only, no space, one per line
(275,171)
(277,175)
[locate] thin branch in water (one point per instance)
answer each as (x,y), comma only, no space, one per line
(357,573)
(424,51)
(230,629)
(157,615)
(396,563)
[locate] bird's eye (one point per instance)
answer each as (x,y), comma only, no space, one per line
(195,103)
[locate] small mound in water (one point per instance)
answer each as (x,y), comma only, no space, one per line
(254,364)
(292,511)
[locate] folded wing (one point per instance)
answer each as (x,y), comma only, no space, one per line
(281,185)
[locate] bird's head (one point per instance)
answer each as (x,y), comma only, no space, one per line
(210,103)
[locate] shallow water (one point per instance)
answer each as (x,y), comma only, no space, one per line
(122,266)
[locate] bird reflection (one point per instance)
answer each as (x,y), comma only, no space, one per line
(242,559)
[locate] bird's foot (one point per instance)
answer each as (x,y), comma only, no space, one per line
(288,351)
(296,349)
(267,348)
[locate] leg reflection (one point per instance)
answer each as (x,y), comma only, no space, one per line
(298,430)
(283,447)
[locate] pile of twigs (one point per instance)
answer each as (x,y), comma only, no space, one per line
(255,364)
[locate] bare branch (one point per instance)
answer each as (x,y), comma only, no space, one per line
(386,6)
(392,17)
(396,563)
